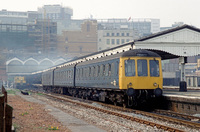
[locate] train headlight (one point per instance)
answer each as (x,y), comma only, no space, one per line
(155,84)
(130,84)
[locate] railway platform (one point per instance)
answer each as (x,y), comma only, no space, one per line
(73,124)
(185,102)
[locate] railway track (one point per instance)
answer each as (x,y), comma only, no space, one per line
(128,117)
(178,115)
(178,118)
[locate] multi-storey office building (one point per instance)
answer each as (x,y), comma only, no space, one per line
(59,14)
(16,17)
(143,26)
(112,38)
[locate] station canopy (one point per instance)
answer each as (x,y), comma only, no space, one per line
(176,42)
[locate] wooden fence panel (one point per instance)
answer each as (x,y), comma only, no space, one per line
(8,120)
(5,113)
(2,103)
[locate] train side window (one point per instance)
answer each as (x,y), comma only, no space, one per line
(69,74)
(109,69)
(90,72)
(142,67)
(87,72)
(65,75)
(112,69)
(77,73)
(117,68)
(97,70)
(94,70)
(101,70)
(154,68)
(82,72)
(106,69)
(129,67)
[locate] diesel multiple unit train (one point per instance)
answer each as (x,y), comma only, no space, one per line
(125,78)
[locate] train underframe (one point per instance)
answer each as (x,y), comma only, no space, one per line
(114,96)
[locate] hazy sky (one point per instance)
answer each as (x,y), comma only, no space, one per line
(168,11)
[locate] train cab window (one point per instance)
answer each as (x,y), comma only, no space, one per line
(154,68)
(129,67)
(142,67)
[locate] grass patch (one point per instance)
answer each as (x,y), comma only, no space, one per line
(25,113)
(39,93)
(53,128)
(17,90)
(11,91)
(16,126)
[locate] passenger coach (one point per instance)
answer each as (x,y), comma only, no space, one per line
(126,78)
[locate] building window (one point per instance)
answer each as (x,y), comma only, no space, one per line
(127,40)
(122,41)
(66,40)
(122,34)
(113,41)
(66,49)
(113,34)
(117,34)
(99,40)
(108,34)
(127,34)
(118,41)
(81,48)
(88,27)
(107,41)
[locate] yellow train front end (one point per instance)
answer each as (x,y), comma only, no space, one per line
(140,75)
(19,82)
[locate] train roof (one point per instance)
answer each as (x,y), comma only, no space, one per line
(140,52)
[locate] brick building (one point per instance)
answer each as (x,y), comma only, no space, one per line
(78,43)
